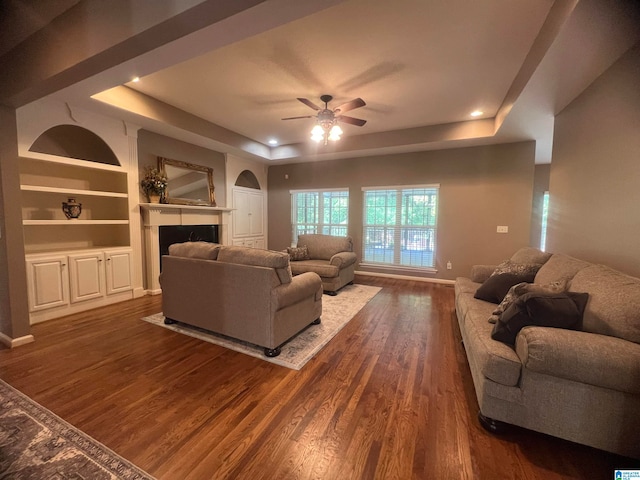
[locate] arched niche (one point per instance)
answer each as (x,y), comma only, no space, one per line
(248,180)
(72,141)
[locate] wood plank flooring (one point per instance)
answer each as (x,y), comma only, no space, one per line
(390,397)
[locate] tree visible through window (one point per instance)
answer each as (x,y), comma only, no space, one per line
(400,226)
(320,211)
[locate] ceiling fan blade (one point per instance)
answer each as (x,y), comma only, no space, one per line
(353,104)
(353,121)
(309,103)
(295,118)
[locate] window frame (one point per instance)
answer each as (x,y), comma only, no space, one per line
(319,226)
(395,236)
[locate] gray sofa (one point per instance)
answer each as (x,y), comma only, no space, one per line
(244,293)
(330,257)
(581,385)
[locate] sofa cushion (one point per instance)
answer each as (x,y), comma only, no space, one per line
(510,266)
(559,268)
(298,253)
(261,258)
(321,267)
(560,310)
(497,286)
(614,302)
(582,357)
(497,361)
(203,250)
(520,289)
(530,255)
(324,247)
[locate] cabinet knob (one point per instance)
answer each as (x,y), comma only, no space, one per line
(63,264)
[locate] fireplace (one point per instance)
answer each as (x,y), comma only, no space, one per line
(170,234)
(168,223)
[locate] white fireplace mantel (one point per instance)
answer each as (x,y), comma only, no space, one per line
(155,215)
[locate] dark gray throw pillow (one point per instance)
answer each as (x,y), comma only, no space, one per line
(496,286)
(560,310)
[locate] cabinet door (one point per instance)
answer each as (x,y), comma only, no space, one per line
(47,282)
(240,215)
(259,243)
(256,203)
(86,276)
(118,271)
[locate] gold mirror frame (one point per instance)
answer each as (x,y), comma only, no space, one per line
(164,162)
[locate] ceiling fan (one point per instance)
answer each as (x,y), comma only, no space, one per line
(327,120)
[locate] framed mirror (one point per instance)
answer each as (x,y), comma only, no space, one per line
(187,183)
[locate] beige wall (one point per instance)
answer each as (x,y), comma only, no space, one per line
(14,310)
(595,171)
(480,188)
(153,145)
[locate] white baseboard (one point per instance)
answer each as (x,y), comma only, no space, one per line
(407,277)
(15,342)
(139,292)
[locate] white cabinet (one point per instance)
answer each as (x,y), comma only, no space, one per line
(248,217)
(250,242)
(74,281)
(47,282)
(118,271)
(86,276)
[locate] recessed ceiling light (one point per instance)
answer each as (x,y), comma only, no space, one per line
(476,113)
(135,79)
(273,142)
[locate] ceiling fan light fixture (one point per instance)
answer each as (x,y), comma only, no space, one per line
(317,133)
(335,133)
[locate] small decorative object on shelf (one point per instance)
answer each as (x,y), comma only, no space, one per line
(154,184)
(71,208)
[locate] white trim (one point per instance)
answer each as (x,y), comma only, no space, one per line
(407,277)
(315,190)
(15,342)
(388,266)
(401,187)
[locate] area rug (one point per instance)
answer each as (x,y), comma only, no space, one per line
(36,444)
(336,313)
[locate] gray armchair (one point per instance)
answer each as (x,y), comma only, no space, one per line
(330,257)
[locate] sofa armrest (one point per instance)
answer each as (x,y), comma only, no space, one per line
(305,285)
(480,273)
(583,357)
(343,259)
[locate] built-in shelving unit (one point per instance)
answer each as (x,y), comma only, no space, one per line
(48,180)
(74,264)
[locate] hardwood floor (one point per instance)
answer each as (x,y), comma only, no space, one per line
(390,397)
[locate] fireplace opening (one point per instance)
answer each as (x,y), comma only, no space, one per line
(170,234)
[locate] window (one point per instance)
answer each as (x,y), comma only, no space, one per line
(320,211)
(545,216)
(400,225)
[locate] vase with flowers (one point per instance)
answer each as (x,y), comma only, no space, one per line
(154,184)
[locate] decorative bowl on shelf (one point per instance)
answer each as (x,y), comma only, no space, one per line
(72,209)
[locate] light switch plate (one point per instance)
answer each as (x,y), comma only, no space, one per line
(502,229)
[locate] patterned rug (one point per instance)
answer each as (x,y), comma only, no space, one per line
(336,313)
(35,444)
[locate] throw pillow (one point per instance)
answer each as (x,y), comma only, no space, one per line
(559,310)
(508,266)
(497,286)
(298,253)
(519,290)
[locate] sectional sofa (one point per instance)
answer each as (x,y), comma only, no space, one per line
(580,384)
